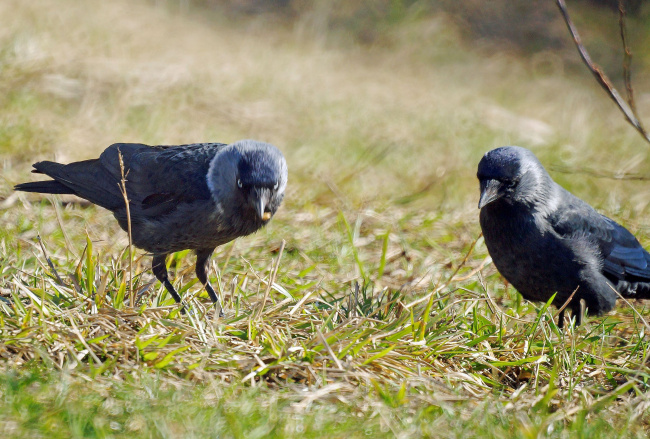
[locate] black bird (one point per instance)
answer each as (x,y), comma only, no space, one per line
(544,240)
(196,196)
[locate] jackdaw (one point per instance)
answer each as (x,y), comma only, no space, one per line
(544,240)
(196,196)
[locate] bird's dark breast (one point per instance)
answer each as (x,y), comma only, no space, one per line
(194,225)
(534,261)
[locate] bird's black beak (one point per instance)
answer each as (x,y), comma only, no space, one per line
(490,191)
(260,199)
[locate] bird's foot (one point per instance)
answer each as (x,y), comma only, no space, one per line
(218,310)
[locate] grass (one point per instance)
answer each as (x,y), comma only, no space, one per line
(386,317)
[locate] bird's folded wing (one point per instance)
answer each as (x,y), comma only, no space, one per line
(159,178)
(626,254)
(623,255)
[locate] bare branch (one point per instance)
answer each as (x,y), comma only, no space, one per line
(600,76)
(627,58)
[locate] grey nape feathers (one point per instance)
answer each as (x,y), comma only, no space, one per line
(544,240)
(195,196)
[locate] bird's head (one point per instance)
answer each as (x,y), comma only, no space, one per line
(249,178)
(513,175)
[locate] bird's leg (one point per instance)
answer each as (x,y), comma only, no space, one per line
(202,266)
(577,312)
(160,271)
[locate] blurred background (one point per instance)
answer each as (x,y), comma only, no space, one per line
(382,105)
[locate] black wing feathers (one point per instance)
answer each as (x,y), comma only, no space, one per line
(158,178)
(623,256)
(626,254)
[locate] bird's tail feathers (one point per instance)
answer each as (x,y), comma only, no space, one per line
(85,179)
(48,168)
(44,187)
(48,186)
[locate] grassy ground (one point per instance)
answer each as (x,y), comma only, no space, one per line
(386,317)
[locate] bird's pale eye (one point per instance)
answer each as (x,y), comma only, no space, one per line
(239,183)
(275,186)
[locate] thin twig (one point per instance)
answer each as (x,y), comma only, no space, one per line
(566,303)
(122,185)
(627,57)
(600,76)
